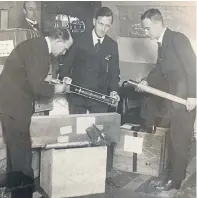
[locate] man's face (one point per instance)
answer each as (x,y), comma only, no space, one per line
(31,10)
(60,47)
(152,28)
(102,25)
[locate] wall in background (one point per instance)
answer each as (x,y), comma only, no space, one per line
(137,53)
(15,12)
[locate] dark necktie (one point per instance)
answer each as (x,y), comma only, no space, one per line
(97,46)
(159,51)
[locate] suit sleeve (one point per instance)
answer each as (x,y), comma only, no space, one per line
(187,60)
(114,70)
(37,68)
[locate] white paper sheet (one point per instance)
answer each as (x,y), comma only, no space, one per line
(62,139)
(133,144)
(83,123)
(6,47)
(65,130)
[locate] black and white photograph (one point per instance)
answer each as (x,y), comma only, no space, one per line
(98,99)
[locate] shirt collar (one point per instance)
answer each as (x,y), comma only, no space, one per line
(32,22)
(48,44)
(160,39)
(95,38)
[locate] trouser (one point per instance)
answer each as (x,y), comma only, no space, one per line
(179,142)
(154,111)
(19,156)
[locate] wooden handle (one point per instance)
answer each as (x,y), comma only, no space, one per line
(158,92)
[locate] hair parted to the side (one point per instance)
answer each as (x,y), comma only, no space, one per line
(104,11)
(152,14)
(24,5)
(59,33)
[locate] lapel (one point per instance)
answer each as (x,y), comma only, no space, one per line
(165,43)
(104,47)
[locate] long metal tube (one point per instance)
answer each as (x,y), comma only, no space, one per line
(90,94)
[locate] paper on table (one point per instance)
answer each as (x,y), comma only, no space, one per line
(65,130)
(133,144)
(100,127)
(83,123)
(62,139)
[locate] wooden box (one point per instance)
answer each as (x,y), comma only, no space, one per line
(69,128)
(141,152)
(73,172)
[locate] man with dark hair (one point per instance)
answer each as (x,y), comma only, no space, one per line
(30,19)
(175,71)
(21,83)
(93,63)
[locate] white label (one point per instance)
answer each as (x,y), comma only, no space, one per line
(83,123)
(62,139)
(6,47)
(133,144)
(126,126)
(100,127)
(65,130)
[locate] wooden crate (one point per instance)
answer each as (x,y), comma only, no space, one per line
(71,128)
(73,172)
(141,152)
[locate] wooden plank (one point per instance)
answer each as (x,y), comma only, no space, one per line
(47,129)
(137,182)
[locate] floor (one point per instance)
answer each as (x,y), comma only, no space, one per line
(131,185)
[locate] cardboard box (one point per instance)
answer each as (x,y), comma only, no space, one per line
(141,152)
(73,172)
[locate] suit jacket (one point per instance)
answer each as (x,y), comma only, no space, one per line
(24,24)
(92,70)
(22,79)
(175,71)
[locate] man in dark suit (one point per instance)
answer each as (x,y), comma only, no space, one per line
(93,63)
(175,71)
(30,17)
(22,82)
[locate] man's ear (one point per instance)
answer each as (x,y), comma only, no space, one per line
(94,21)
(24,11)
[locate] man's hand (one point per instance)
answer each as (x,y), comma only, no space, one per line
(143,82)
(67,80)
(62,88)
(115,95)
(191,104)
